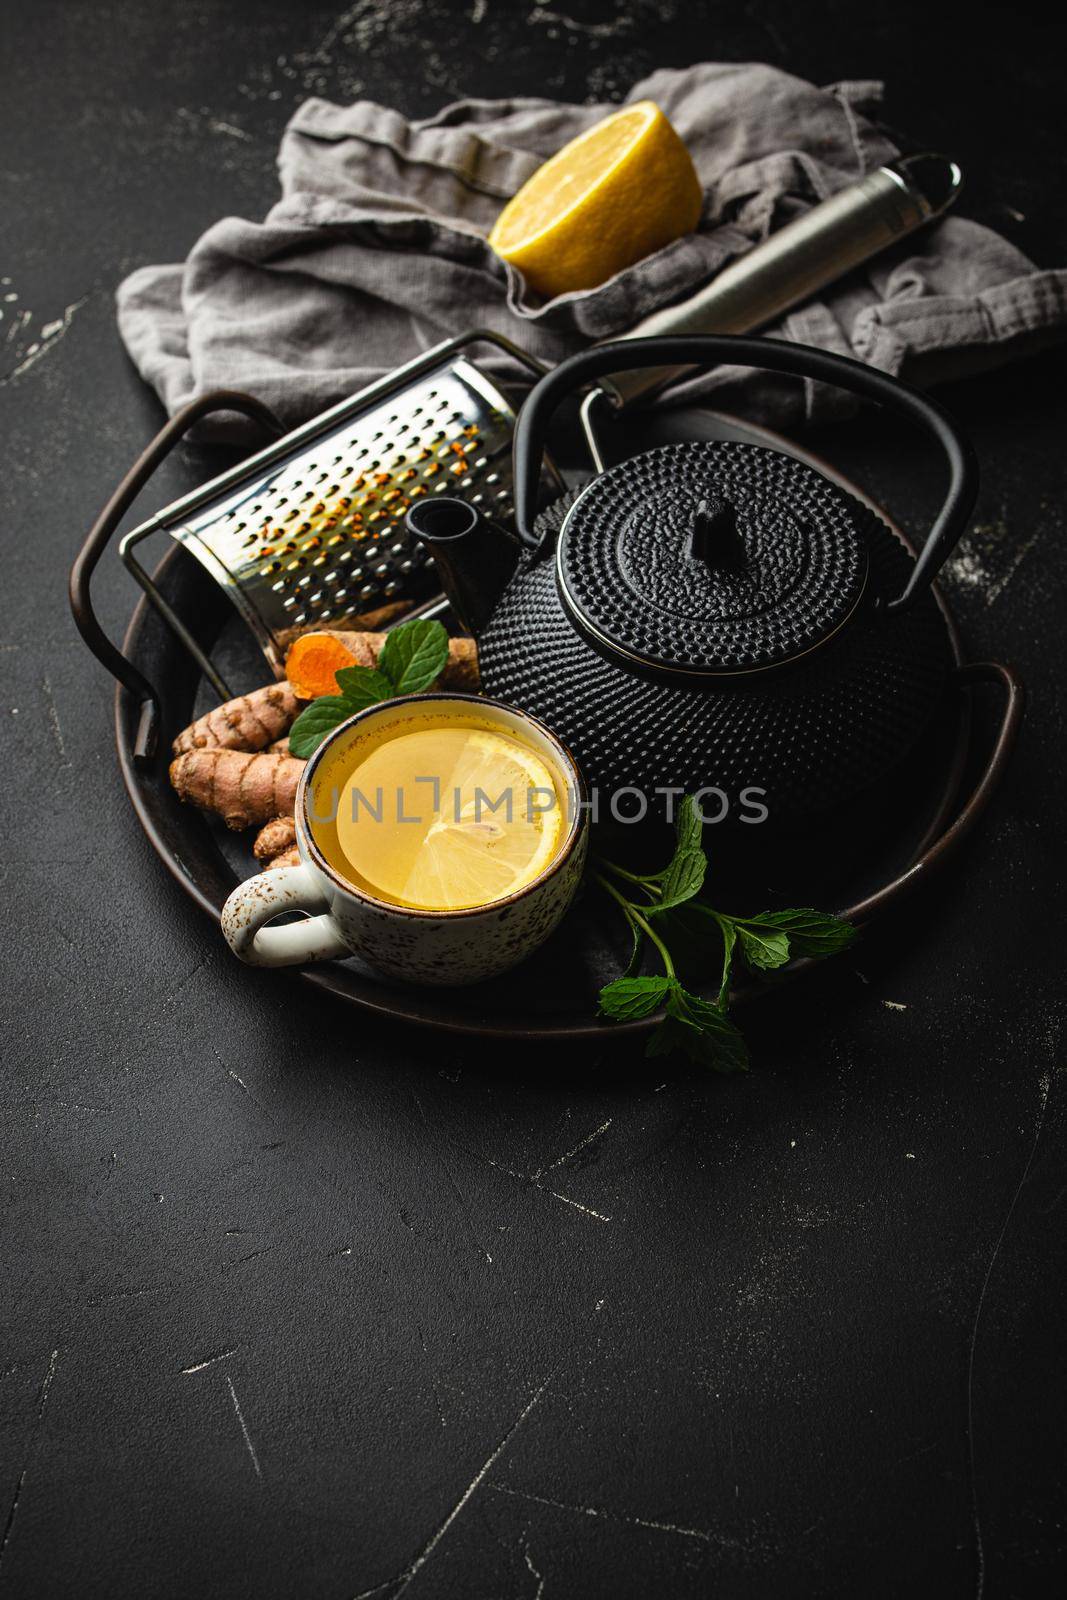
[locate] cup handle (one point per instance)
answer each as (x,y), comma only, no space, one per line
(257,901)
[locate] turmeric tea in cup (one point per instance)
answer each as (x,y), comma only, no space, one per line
(442,835)
(439,809)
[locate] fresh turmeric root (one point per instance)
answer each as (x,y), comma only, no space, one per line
(278,836)
(287,858)
(251,722)
(314,659)
(235,761)
(243,787)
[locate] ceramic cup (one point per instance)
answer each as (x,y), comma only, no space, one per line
(439,947)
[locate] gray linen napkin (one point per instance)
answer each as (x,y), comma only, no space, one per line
(377,250)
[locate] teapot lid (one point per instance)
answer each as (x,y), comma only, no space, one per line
(712,558)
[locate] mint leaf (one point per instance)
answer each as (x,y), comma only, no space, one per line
(315,722)
(360,687)
(763,948)
(689,936)
(683,875)
(693,1008)
(628,998)
(699,1030)
(708,1036)
(721,1048)
(363,686)
(688,827)
(414,655)
(811,932)
(682,879)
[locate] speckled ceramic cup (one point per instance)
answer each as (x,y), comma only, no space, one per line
(416,946)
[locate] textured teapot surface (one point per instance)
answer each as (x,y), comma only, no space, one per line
(712,559)
(708,615)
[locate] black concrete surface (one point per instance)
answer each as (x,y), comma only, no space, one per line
(297,1303)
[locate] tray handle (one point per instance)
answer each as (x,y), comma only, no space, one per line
(81,605)
(936,853)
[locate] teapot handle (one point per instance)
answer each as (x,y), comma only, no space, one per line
(773,355)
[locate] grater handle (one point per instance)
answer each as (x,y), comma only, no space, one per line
(81,605)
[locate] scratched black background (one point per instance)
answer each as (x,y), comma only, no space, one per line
(296,1303)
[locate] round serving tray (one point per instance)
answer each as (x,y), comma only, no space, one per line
(860,865)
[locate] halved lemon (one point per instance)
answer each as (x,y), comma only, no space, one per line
(466,816)
(621,190)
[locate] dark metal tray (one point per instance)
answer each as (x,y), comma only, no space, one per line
(861,865)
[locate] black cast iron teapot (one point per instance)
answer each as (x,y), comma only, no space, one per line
(710,614)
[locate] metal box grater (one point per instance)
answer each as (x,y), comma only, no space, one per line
(310,530)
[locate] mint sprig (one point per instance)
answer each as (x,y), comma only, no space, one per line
(413,655)
(689,936)
(412,658)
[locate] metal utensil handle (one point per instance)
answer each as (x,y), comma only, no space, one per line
(774,355)
(85,562)
(798,260)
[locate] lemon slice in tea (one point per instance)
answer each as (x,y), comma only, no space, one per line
(446,818)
